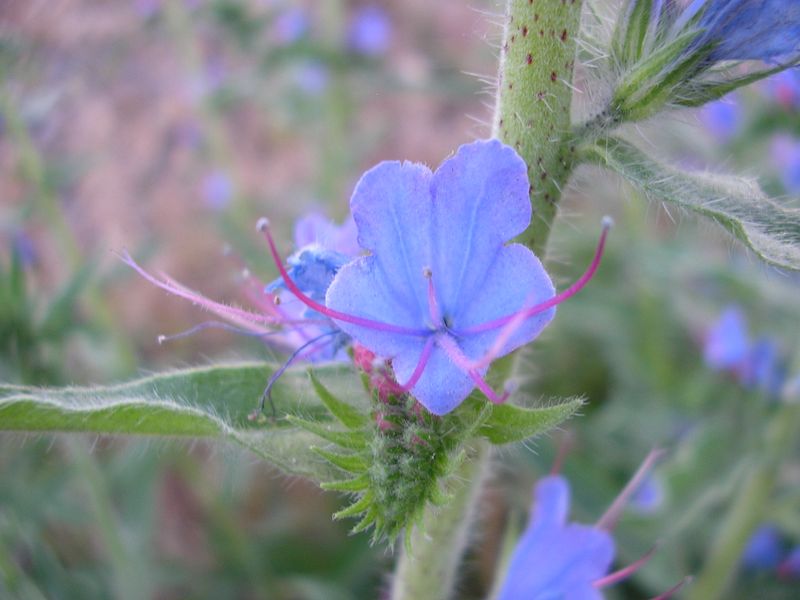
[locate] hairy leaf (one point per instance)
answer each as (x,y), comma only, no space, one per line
(769,228)
(508,423)
(212,402)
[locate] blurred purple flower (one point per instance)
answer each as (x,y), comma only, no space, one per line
(316,228)
(147,8)
(649,497)
(568,561)
(747,29)
(289,26)
(722,118)
(553,558)
(312,77)
(764,368)
(727,343)
(786,155)
(217,190)
(24,248)
(370,31)
(763,550)
(790,566)
(784,88)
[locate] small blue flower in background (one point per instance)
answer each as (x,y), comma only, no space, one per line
(790,566)
(555,559)
(727,342)
(786,156)
(747,29)
(311,77)
(24,248)
(370,31)
(764,549)
(316,228)
(784,88)
(289,26)
(756,364)
(722,118)
(217,190)
(649,498)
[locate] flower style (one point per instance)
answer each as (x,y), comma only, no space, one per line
(441,294)
(569,561)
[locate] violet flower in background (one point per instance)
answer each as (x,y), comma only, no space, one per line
(311,77)
(554,558)
(316,228)
(217,190)
(786,156)
(649,497)
(569,561)
(784,88)
(727,343)
(370,31)
(24,248)
(289,26)
(790,566)
(722,118)
(764,549)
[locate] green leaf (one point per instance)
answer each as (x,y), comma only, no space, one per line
(354,463)
(352,440)
(768,228)
(632,27)
(349,416)
(702,92)
(508,423)
(212,402)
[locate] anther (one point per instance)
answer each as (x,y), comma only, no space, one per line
(427,273)
(161,339)
(262,224)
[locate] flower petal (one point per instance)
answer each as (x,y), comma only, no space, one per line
(480,201)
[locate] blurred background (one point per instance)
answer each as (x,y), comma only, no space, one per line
(168,127)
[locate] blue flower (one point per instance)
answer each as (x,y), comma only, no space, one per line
(370,31)
(747,29)
(217,190)
(763,550)
(722,118)
(289,26)
(440,268)
(555,559)
(441,293)
(727,342)
(786,156)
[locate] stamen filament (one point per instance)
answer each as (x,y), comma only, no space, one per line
(433,304)
(460,360)
(513,320)
(625,572)
(420,368)
(224,326)
(609,520)
(267,395)
(674,589)
(263,226)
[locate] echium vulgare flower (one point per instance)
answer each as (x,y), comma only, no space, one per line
(555,559)
(441,292)
(747,29)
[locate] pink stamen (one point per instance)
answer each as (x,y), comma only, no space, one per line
(433,304)
(625,572)
(420,368)
(513,320)
(263,226)
(225,327)
(609,520)
(237,315)
(674,589)
(564,446)
(454,352)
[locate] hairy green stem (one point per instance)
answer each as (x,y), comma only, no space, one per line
(534,95)
(750,507)
(428,572)
(532,114)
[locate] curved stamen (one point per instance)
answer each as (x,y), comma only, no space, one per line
(513,320)
(611,516)
(225,327)
(267,395)
(433,304)
(674,589)
(420,368)
(460,360)
(263,227)
(625,572)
